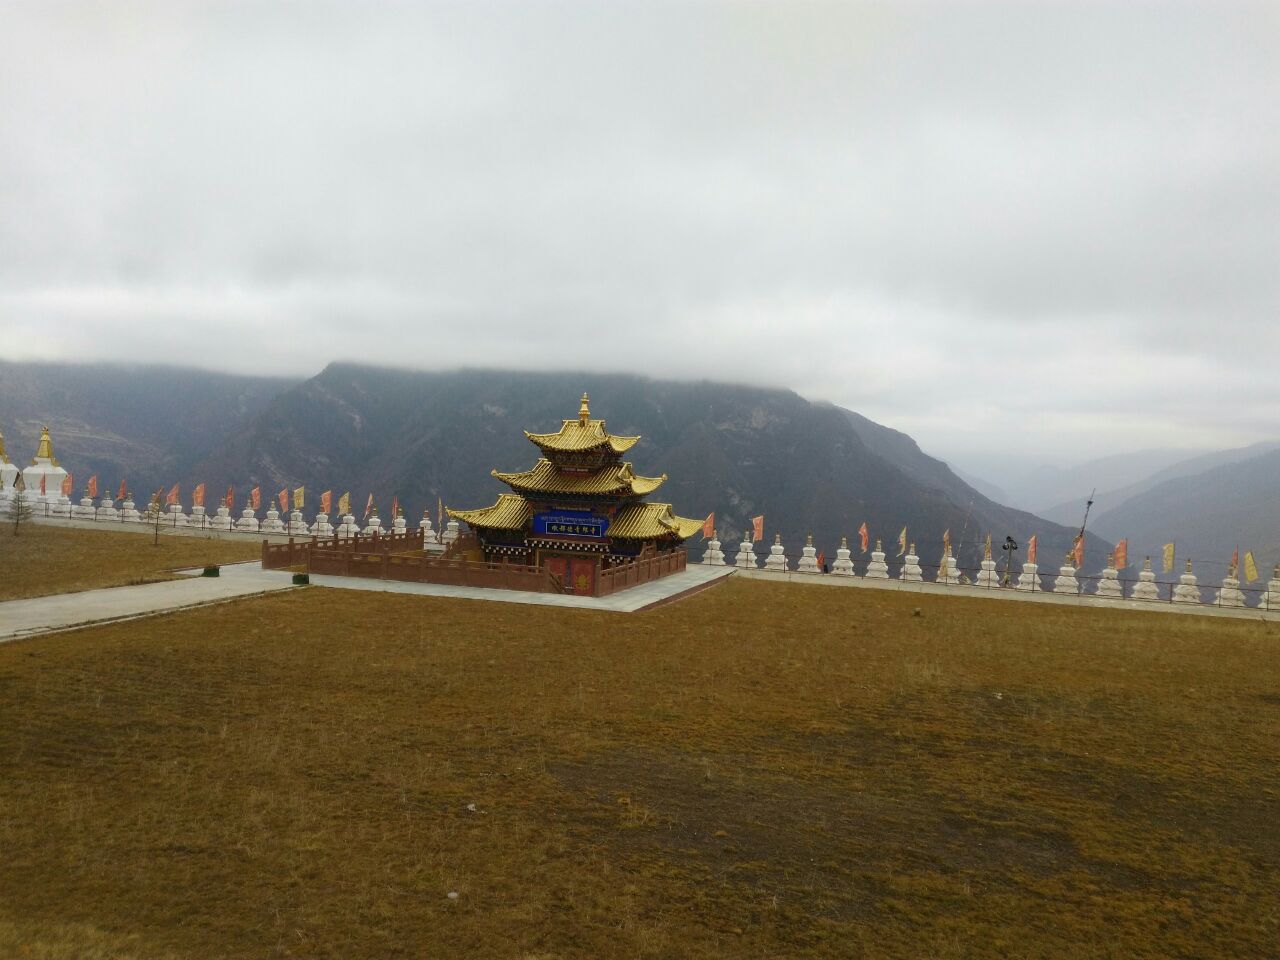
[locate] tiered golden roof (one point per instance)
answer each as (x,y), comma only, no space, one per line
(511,512)
(617,479)
(575,436)
(649,521)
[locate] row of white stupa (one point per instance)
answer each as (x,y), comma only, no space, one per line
(1187,589)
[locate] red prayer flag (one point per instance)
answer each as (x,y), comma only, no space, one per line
(93,485)
(229,500)
(284,500)
(865,535)
(197,498)
(255,498)
(822,559)
(1032,545)
(43,491)
(1235,561)
(368,507)
(326,499)
(395,507)
(709,526)
(1122,554)
(1077,551)
(124,491)
(66,485)
(757,528)
(172,498)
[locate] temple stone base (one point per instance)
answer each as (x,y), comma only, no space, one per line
(198,518)
(949,571)
(348,527)
(746,559)
(451,533)
(297,526)
(714,556)
(987,576)
(222,519)
(911,571)
(129,511)
(1229,594)
(809,558)
(428,531)
(1146,588)
(877,569)
(777,559)
(374,525)
(1188,588)
(107,510)
(272,522)
(1109,586)
(248,522)
(322,527)
(175,517)
(1067,582)
(1029,578)
(84,510)
(1271,599)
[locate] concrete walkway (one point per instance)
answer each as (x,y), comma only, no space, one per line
(64,611)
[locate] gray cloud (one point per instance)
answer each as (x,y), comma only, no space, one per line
(1046,229)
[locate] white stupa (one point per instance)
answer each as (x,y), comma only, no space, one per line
(777,558)
(107,510)
(713,556)
(129,510)
(1029,578)
(297,526)
(877,569)
(322,527)
(451,533)
(949,572)
(348,527)
(1229,594)
(222,519)
(154,513)
(987,576)
(911,571)
(1146,587)
(808,557)
(198,518)
(1271,599)
(84,510)
(428,531)
(45,466)
(248,522)
(272,522)
(1109,585)
(374,526)
(399,525)
(1188,587)
(843,567)
(175,517)
(1067,582)
(746,559)
(8,472)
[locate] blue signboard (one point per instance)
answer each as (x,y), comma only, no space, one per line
(570,523)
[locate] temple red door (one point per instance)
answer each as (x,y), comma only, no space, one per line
(558,566)
(583,572)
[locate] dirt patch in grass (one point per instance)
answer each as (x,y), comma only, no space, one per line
(761,770)
(45,559)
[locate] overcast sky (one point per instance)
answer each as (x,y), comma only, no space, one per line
(1051,231)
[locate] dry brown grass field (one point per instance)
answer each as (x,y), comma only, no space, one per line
(44,559)
(758,771)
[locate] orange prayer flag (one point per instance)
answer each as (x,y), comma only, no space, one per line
(368,507)
(709,526)
(92,486)
(172,498)
(1077,551)
(197,496)
(283,498)
(1032,547)
(822,559)
(229,500)
(757,528)
(255,498)
(1235,561)
(124,491)
(326,500)
(66,485)
(1122,554)
(395,506)
(43,485)
(865,536)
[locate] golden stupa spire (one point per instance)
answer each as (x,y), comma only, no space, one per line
(45,450)
(584,411)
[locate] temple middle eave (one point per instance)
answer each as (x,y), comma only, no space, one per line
(651,521)
(615,480)
(511,512)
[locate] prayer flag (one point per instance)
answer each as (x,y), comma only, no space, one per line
(299,498)
(124,491)
(1235,561)
(1077,551)
(865,535)
(172,498)
(902,542)
(230,500)
(1122,554)
(66,485)
(326,501)
(439,515)
(757,528)
(709,526)
(283,499)
(1250,568)
(986,547)
(946,540)
(92,486)
(255,498)
(395,506)
(344,503)
(368,507)
(43,491)
(1168,557)
(197,497)
(822,560)
(1032,546)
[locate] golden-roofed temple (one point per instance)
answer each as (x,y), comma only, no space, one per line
(578,511)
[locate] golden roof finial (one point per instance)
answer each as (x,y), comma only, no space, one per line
(45,450)
(584,411)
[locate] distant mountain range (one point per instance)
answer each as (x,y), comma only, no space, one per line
(736,450)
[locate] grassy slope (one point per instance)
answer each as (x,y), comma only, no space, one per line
(44,559)
(761,770)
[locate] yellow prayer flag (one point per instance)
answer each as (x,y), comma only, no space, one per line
(902,542)
(1250,568)
(1168,558)
(298,495)
(344,504)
